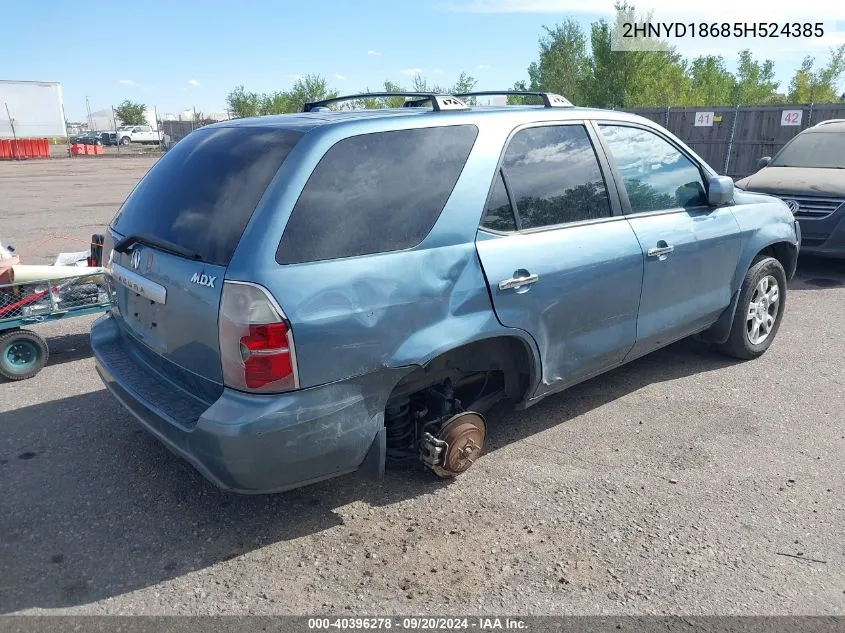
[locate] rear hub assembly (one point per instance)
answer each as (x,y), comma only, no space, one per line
(456,447)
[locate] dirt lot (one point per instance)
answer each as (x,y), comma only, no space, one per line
(681,483)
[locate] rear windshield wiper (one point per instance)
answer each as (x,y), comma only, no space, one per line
(136,238)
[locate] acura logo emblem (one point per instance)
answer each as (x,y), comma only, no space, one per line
(793,205)
(136,259)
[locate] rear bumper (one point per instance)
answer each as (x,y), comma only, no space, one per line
(824,236)
(249,443)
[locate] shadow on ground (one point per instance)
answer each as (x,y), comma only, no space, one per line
(94,507)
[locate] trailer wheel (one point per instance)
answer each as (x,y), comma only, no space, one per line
(23,353)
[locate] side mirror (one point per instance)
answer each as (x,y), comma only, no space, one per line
(720,191)
(764,162)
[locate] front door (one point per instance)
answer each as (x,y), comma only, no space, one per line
(691,249)
(561,261)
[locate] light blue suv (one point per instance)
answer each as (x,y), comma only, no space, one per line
(302,296)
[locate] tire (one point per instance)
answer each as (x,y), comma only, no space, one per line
(22,354)
(759,311)
(125,140)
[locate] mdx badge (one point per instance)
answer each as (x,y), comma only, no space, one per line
(201,279)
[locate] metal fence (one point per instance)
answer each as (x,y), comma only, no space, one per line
(733,139)
(177,130)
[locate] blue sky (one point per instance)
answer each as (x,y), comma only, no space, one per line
(176,55)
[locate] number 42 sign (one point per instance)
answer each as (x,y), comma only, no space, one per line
(791,117)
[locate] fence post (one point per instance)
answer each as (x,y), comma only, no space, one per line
(810,116)
(731,141)
(114,122)
(666,123)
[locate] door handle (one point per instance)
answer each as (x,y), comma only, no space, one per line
(661,250)
(518,282)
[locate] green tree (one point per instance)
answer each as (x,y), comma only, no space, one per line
(809,86)
(563,65)
(242,103)
(755,82)
(632,77)
(307,89)
(710,82)
(131,113)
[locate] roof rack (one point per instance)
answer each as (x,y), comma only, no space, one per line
(829,121)
(438,101)
(550,99)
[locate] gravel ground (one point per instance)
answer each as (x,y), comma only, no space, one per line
(681,483)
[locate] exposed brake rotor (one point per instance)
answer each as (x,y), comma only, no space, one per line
(461,442)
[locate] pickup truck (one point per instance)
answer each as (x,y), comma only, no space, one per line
(138,134)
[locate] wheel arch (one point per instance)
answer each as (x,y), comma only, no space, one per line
(513,354)
(782,250)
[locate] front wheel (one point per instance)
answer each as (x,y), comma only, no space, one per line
(22,354)
(125,140)
(759,311)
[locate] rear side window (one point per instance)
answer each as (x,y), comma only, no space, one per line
(554,176)
(201,194)
(376,193)
(498,214)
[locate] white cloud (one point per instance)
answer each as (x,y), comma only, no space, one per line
(373,53)
(341,77)
(483,67)
(126,82)
(194,82)
(411,71)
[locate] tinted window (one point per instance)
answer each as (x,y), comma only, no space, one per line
(498,215)
(376,193)
(656,175)
(201,194)
(821,150)
(554,176)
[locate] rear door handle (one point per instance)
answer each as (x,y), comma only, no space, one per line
(661,250)
(518,282)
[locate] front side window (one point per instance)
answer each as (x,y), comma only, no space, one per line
(376,193)
(657,176)
(554,176)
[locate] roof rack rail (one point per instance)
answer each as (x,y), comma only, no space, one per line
(438,101)
(550,99)
(829,121)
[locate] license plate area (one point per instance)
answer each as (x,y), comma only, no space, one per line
(142,317)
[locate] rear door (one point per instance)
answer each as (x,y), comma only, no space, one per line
(691,249)
(173,239)
(560,260)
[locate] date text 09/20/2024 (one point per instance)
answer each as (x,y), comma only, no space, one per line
(633,30)
(417,623)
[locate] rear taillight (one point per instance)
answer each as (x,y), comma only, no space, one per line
(256,343)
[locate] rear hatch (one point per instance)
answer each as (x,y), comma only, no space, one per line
(173,239)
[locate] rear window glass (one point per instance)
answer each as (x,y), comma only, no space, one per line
(201,194)
(376,193)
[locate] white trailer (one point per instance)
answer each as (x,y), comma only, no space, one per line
(36,109)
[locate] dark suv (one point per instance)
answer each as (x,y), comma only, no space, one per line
(808,173)
(301,296)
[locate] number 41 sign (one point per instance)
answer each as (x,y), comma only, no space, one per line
(791,117)
(703,119)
